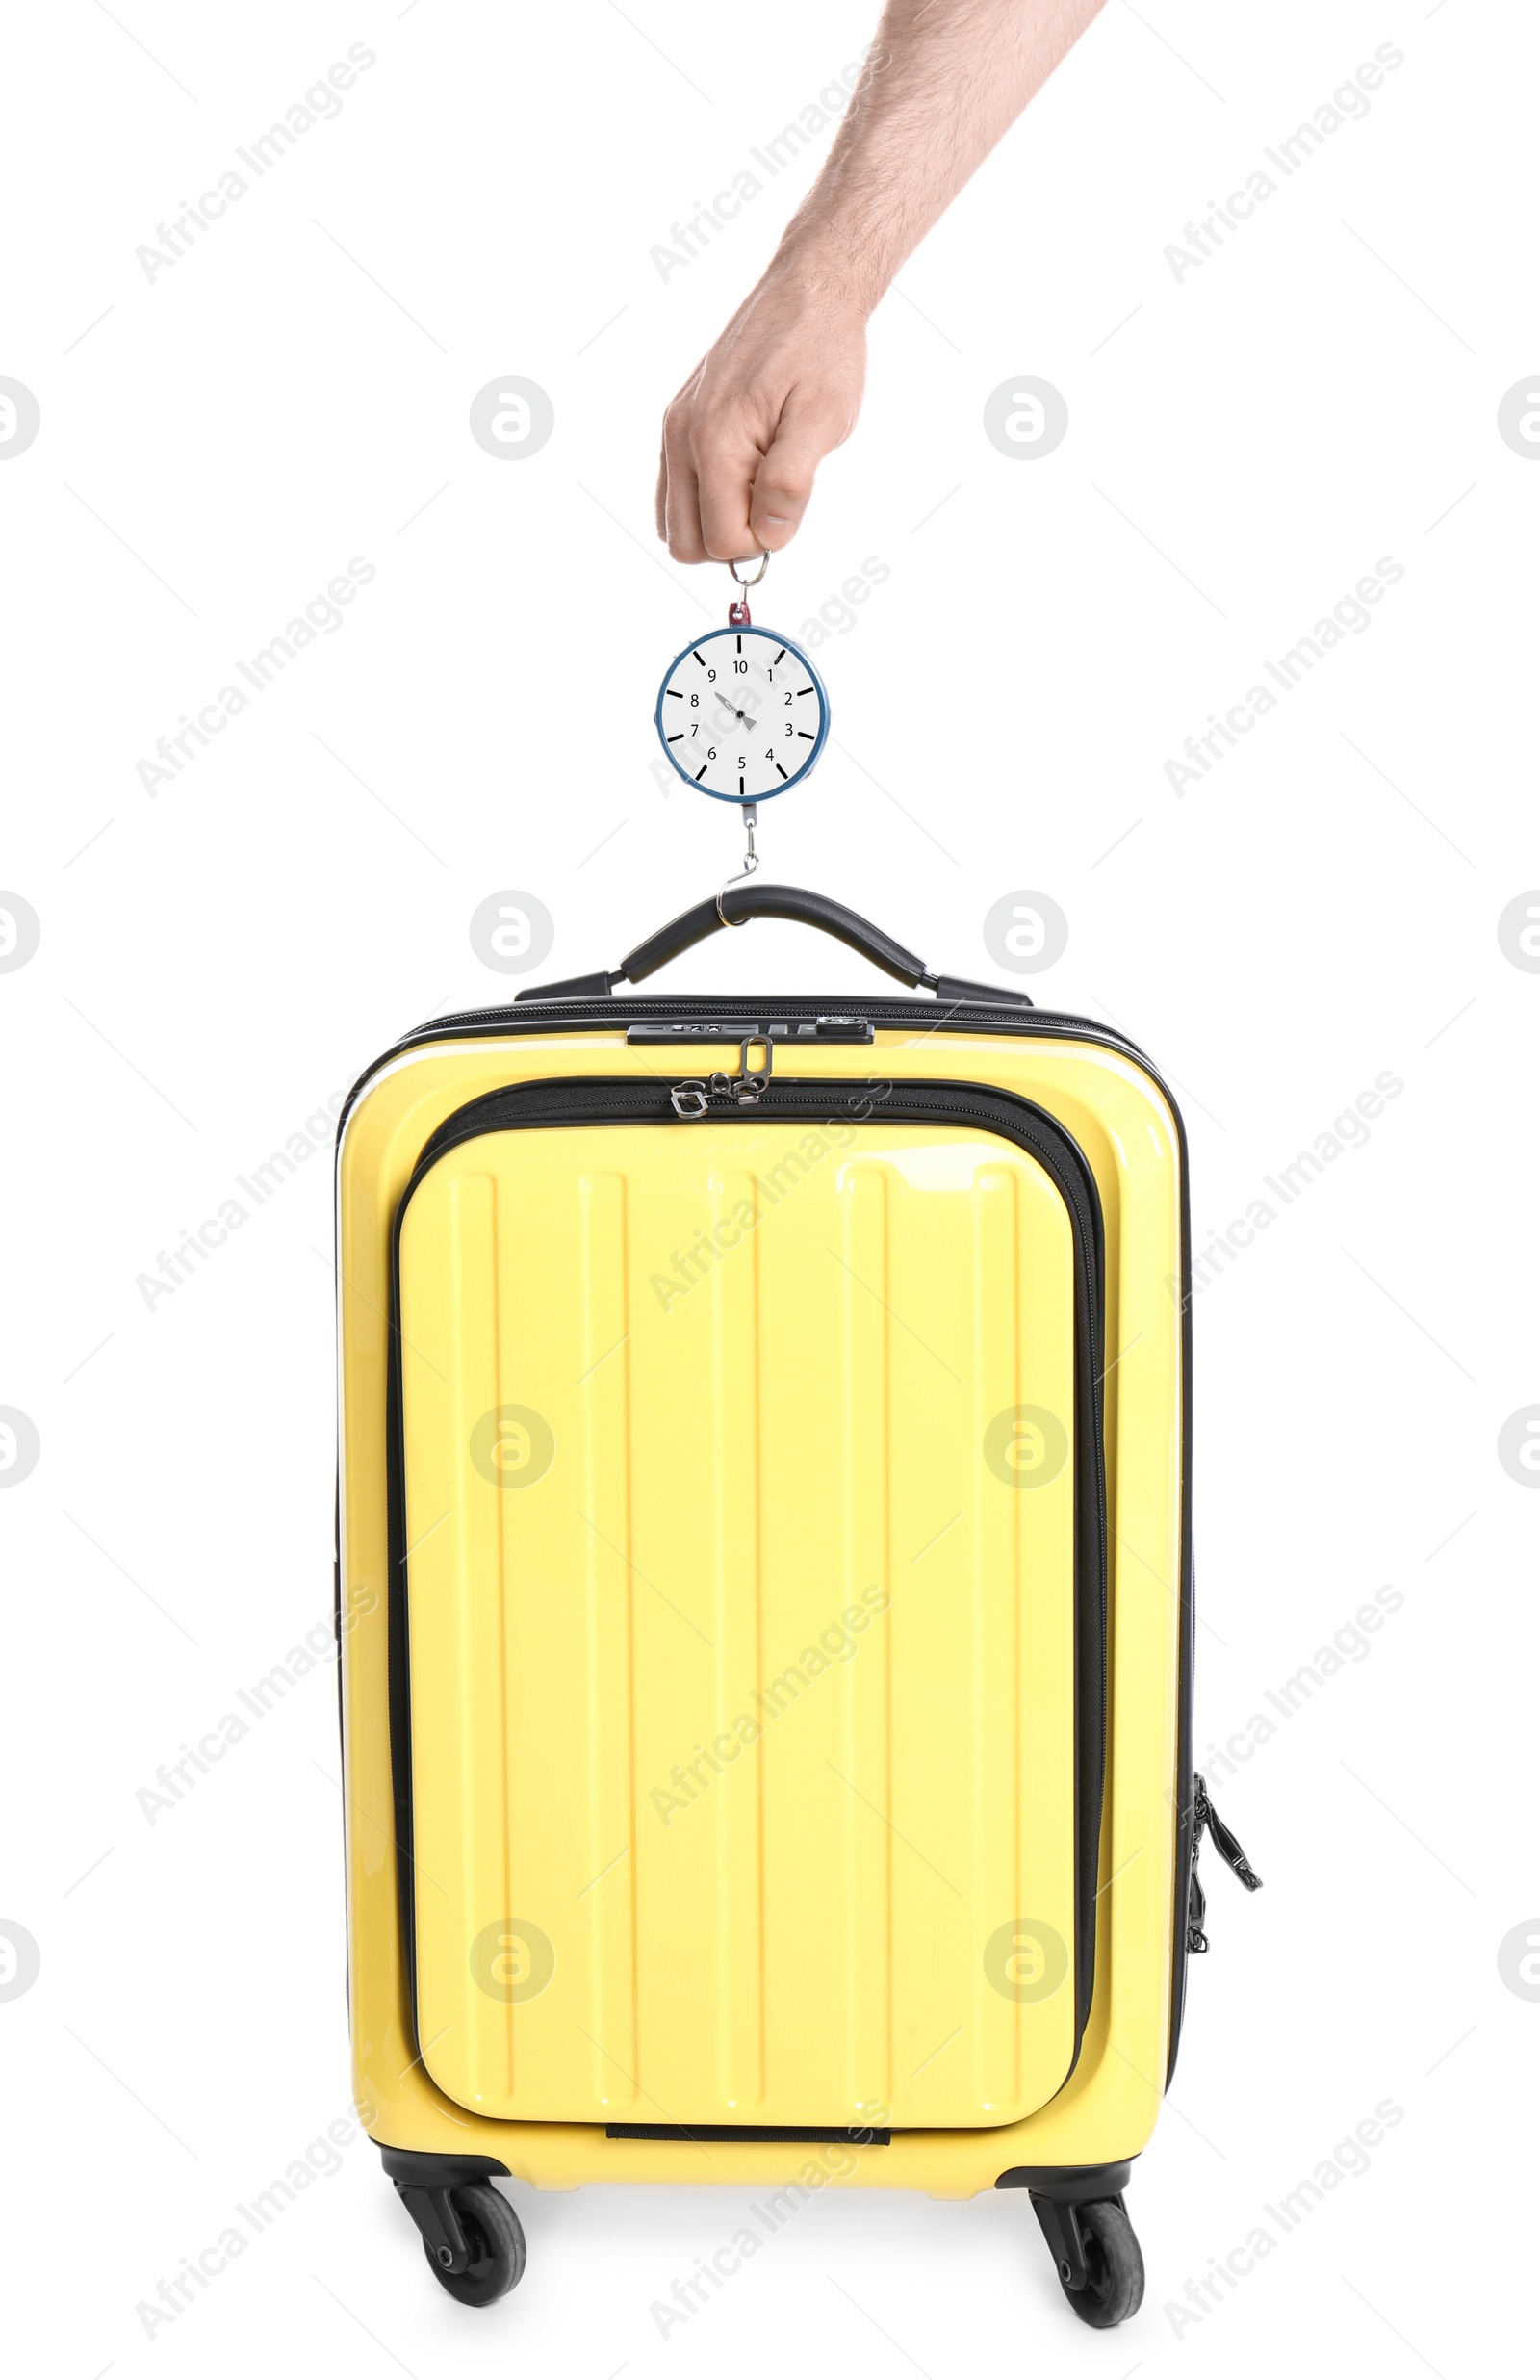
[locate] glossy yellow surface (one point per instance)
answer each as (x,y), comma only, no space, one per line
(725,1779)
(1109,2106)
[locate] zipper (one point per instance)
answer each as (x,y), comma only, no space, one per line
(624,1100)
(1205,1815)
(597,1016)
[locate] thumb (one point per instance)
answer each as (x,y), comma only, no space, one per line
(783,483)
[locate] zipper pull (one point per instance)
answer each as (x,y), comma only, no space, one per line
(1204,1814)
(1196,1909)
(690,1100)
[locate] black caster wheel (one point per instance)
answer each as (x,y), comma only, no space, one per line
(472,2239)
(1096,2257)
(493,2238)
(1114,2270)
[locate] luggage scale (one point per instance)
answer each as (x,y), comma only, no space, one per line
(742,717)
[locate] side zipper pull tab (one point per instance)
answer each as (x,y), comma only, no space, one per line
(1198,1940)
(1204,1814)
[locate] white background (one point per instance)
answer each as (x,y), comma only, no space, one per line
(219,958)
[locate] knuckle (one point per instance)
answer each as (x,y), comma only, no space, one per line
(724,516)
(788,483)
(711,447)
(722,541)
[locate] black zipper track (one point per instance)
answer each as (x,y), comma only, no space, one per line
(625,1100)
(613,1014)
(886,1015)
(856,2136)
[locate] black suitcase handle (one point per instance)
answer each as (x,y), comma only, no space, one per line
(740,902)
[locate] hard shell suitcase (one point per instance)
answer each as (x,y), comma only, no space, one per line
(764,1592)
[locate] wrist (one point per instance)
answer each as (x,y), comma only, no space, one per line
(838,274)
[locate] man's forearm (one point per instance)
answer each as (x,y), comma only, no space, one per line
(783,383)
(943,80)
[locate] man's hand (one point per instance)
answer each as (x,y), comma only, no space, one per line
(754,421)
(783,384)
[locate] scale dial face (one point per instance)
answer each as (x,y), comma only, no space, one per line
(742,714)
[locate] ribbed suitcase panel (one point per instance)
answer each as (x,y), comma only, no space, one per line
(736,1483)
(605,1902)
(863,1762)
(470,1648)
(742,1726)
(990,2054)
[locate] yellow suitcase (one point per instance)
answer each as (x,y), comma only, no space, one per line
(765,1593)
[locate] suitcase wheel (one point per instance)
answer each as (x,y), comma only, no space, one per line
(472,2239)
(1096,2255)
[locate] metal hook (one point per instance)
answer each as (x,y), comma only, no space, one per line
(751,862)
(764,564)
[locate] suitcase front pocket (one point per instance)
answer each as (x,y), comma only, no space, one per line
(748,1614)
